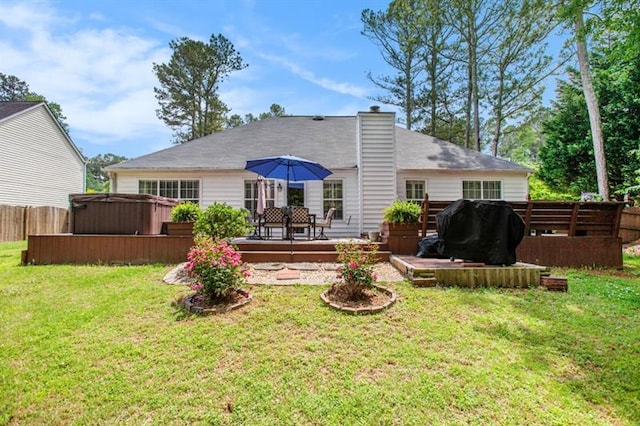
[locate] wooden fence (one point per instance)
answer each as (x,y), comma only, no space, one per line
(17,222)
(630,224)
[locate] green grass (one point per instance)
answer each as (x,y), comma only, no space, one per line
(96,344)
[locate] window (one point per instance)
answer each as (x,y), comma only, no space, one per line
(185,190)
(251,195)
(333,197)
(482,190)
(415,191)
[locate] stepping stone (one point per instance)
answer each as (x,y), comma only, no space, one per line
(288,274)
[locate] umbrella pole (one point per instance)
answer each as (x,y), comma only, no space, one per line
(289,233)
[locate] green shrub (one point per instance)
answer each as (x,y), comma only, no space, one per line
(221,221)
(538,190)
(216,268)
(402,211)
(186,212)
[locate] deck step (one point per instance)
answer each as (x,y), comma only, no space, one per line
(425,282)
(267,256)
(554,283)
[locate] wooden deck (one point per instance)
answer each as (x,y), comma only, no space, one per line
(429,272)
(168,249)
(256,251)
(557,233)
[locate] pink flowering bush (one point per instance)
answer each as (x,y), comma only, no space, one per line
(216,268)
(356,268)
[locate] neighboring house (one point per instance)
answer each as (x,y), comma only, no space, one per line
(39,164)
(373,162)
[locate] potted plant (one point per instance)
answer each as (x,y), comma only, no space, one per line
(183,217)
(401,226)
(402,218)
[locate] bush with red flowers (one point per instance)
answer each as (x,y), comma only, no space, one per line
(216,269)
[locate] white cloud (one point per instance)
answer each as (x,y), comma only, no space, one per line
(325,83)
(102,78)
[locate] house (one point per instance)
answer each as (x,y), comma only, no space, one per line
(373,162)
(39,163)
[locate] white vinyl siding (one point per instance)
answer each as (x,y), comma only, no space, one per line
(38,164)
(447,185)
(376,141)
(228,187)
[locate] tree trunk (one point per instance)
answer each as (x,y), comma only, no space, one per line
(498,128)
(592,107)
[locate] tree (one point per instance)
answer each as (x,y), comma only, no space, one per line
(567,157)
(433,96)
(97,179)
(189,84)
(517,65)
(521,143)
(474,22)
(592,104)
(396,32)
(275,110)
(15,90)
(12,88)
(236,120)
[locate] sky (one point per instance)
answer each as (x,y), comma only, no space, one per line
(95,58)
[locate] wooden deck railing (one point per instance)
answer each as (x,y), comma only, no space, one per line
(579,234)
(572,219)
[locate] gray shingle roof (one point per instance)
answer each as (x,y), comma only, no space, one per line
(419,151)
(9,108)
(330,141)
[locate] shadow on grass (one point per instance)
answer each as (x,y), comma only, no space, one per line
(585,339)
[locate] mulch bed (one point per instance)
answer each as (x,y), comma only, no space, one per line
(197,303)
(371,301)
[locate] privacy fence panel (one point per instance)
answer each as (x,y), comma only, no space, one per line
(630,224)
(17,222)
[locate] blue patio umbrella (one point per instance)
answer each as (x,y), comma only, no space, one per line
(288,167)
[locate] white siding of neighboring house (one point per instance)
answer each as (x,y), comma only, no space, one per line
(376,142)
(38,165)
(447,185)
(228,187)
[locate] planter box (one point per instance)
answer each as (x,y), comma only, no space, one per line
(400,229)
(407,244)
(179,228)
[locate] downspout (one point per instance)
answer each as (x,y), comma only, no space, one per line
(113,182)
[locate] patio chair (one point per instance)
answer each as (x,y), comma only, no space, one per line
(273,218)
(325,223)
(300,219)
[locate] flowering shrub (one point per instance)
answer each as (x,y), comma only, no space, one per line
(216,268)
(356,267)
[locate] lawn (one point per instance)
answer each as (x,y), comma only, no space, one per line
(99,344)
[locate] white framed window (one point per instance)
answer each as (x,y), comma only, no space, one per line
(251,195)
(414,191)
(183,189)
(333,196)
(482,189)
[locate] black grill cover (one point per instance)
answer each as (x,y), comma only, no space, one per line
(480,231)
